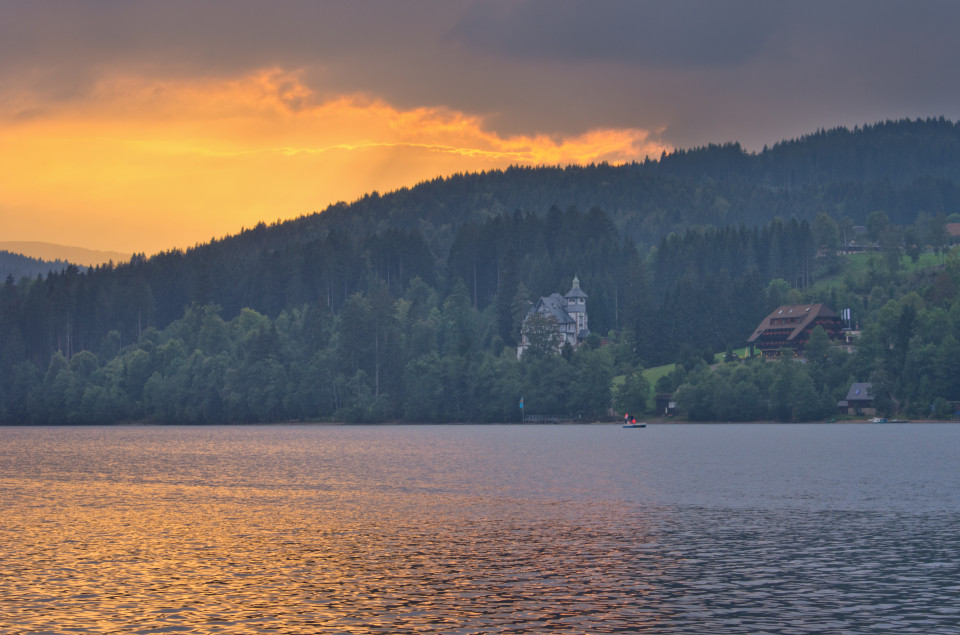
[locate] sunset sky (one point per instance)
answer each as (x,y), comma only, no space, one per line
(140,125)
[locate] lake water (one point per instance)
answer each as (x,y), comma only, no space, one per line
(481,529)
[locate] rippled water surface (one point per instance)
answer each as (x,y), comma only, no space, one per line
(479,529)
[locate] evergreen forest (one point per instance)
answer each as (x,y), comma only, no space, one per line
(407,306)
(18,266)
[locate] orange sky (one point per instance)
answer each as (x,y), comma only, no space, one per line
(147,125)
(147,164)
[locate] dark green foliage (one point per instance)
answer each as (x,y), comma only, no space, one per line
(17,266)
(408,305)
(541,337)
(782,391)
(907,351)
(632,395)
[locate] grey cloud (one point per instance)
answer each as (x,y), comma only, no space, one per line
(679,33)
(702,70)
(212,37)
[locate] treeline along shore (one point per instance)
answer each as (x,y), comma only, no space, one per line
(408,306)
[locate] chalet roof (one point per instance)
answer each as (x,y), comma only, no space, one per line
(807,313)
(860,391)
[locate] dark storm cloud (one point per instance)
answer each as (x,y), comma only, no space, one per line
(745,70)
(680,33)
(217,36)
(700,70)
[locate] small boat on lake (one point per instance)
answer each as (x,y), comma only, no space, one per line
(631,422)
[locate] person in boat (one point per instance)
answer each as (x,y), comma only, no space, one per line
(633,421)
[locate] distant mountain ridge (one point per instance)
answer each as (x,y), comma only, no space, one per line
(897,152)
(901,167)
(18,266)
(51,252)
(904,168)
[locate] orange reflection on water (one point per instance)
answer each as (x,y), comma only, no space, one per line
(146,556)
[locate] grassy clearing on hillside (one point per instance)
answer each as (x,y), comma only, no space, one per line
(718,358)
(652,375)
(655,373)
(858,265)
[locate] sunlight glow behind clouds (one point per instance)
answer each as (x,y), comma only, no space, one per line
(147,164)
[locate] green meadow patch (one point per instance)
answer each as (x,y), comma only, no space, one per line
(858,265)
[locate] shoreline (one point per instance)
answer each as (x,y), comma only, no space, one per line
(666,422)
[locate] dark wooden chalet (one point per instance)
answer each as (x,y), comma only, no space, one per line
(789,327)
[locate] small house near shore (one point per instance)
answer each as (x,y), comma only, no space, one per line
(859,400)
(789,326)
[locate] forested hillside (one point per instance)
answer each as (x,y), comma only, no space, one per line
(408,305)
(18,266)
(901,167)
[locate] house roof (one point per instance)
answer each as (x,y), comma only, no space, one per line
(554,305)
(860,391)
(953,229)
(806,312)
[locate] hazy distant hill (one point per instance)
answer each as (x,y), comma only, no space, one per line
(20,266)
(52,252)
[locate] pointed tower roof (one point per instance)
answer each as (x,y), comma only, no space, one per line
(575,291)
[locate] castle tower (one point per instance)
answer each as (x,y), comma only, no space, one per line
(577,307)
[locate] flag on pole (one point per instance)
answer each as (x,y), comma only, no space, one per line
(521,403)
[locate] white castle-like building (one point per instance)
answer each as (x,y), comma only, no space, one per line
(568,312)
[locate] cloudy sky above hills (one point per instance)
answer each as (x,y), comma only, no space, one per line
(141,125)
